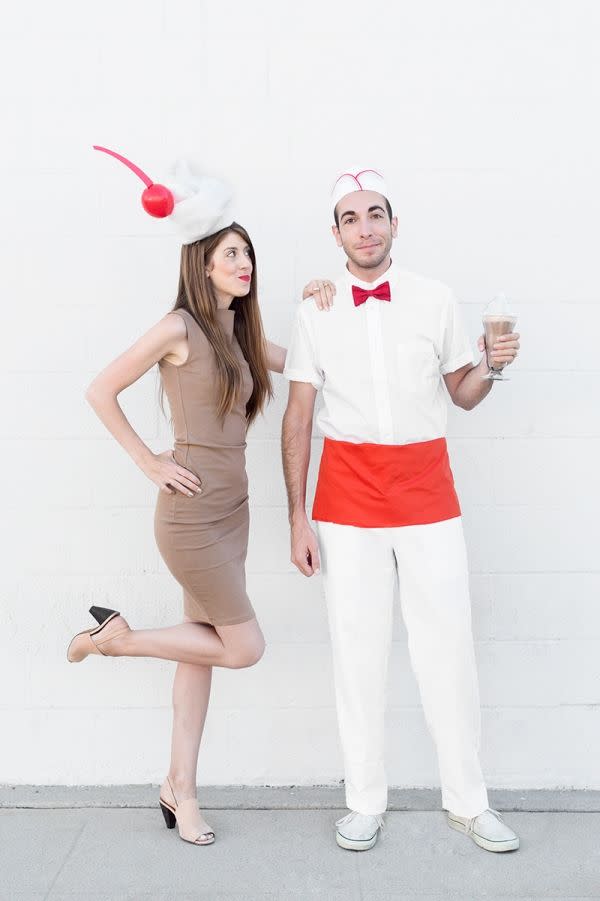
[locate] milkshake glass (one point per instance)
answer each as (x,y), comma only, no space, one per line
(498,319)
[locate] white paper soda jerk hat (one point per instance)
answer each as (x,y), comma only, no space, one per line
(197,204)
(358,178)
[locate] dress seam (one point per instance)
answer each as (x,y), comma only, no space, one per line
(184,417)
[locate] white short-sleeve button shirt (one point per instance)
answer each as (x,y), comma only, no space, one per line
(380,364)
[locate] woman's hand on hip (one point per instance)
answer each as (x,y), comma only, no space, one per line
(170,477)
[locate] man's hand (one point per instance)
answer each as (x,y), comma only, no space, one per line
(322,290)
(468,385)
(305,549)
(505,349)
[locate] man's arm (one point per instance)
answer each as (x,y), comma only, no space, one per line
(466,386)
(295,449)
(322,291)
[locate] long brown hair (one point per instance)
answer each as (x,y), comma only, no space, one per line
(195,294)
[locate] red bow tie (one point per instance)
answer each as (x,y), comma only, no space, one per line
(381,292)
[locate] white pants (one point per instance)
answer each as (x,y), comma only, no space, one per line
(359,568)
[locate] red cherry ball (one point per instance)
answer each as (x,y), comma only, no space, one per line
(158,201)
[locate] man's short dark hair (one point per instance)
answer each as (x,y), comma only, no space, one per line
(387,206)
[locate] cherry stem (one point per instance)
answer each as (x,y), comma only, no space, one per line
(147,181)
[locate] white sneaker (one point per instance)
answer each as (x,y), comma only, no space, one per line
(488,830)
(359,831)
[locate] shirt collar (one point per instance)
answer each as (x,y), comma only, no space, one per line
(387,276)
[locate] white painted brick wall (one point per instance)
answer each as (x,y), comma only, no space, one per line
(482,116)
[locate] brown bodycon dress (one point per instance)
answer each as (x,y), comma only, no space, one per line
(203,539)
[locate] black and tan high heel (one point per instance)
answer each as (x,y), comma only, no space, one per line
(191,824)
(110,625)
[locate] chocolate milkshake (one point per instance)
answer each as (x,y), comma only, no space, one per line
(496,325)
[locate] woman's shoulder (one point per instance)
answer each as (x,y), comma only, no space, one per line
(182,323)
(190,323)
(187,337)
(173,328)
(174,325)
(176,321)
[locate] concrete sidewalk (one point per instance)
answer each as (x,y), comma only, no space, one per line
(61,843)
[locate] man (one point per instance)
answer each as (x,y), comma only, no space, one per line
(386,507)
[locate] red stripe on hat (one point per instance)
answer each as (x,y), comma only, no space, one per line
(348,175)
(356,177)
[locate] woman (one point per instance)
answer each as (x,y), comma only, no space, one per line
(214,364)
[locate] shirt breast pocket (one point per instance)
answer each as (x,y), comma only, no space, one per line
(417,366)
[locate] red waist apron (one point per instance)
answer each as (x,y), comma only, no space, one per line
(385,485)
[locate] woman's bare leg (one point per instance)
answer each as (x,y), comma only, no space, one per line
(197,643)
(191,693)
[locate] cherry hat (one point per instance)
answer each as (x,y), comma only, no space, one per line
(197,204)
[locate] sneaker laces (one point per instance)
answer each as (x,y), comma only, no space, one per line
(496,813)
(354,813)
